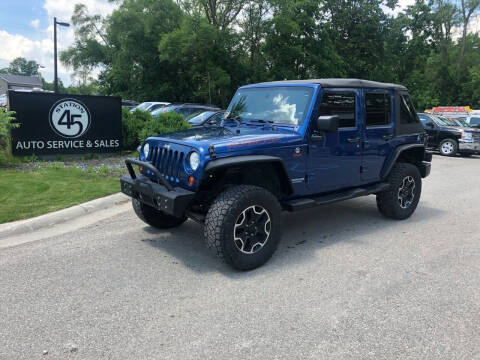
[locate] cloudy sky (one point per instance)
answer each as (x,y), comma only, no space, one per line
(26,29)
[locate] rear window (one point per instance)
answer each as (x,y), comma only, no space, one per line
(407,110)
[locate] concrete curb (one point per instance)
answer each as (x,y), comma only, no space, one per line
(25,226)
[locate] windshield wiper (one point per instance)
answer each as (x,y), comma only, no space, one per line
(261,121)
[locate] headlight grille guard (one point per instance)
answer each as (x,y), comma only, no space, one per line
(149,166)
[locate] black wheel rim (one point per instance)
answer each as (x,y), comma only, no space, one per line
(252,229)
(406,192)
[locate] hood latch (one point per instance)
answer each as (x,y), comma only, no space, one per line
(211,150)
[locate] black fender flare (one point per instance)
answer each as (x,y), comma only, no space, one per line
(252,159)
(396,154)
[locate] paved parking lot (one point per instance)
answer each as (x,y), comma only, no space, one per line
(344,284)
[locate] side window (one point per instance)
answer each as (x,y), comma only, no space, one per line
(424,119)
(378,109)
(407,111)
(182,112)
(475,121)
(186,112)
(341,104)
(216,119)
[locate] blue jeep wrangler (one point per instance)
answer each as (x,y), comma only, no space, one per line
(287,145)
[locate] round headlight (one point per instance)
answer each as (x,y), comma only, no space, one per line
(194,161)
(146,149)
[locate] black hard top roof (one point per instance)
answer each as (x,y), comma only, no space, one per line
(342,83)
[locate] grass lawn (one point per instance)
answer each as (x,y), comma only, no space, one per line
(28,193)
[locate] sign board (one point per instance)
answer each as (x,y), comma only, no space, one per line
(451,109)
(65,124)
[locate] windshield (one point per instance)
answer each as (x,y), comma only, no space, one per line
(200,118)
(155,107)
(461,122)
(162,110)
(454,120)
(443,121)
(143,106)
(283,105)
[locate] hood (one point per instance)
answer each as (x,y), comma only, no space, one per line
(226,138)
(472,129)
(460,129)
(451,128)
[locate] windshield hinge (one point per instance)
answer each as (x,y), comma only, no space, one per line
(211,150)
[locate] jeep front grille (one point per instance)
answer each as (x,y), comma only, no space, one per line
(476,136)
(167,161)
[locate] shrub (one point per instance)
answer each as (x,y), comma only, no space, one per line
(6,124)
(132,123)
(163,124)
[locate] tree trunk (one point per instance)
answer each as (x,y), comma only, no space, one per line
(462,50)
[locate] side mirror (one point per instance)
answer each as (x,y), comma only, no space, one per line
(430,124)
(327,123)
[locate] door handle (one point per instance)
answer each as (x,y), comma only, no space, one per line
(354,140)
(387,137)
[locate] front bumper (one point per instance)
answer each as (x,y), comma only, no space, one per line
(469,147)
(425,168)
(425,165)
(172,201)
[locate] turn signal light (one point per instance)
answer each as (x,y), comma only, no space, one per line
(191,180)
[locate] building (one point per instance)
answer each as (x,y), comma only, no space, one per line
(19,82)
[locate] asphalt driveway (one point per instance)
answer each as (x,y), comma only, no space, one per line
(344,284)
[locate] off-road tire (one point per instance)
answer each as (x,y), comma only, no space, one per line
(454,146)
(223,216)
(154,217)
(388,202)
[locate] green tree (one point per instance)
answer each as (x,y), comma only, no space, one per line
(296,46)
(467,10)
(49,86)
(22,66)
(202,50)
(200,58)
(254,28)
(358,30)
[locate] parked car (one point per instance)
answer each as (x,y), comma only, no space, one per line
(207,118)
(129,104)
(147,106)
(474,121)
(287,145)
(186,110)
(157,106)
(3,100)
(448,138)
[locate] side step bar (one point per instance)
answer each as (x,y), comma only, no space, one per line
(306,203)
